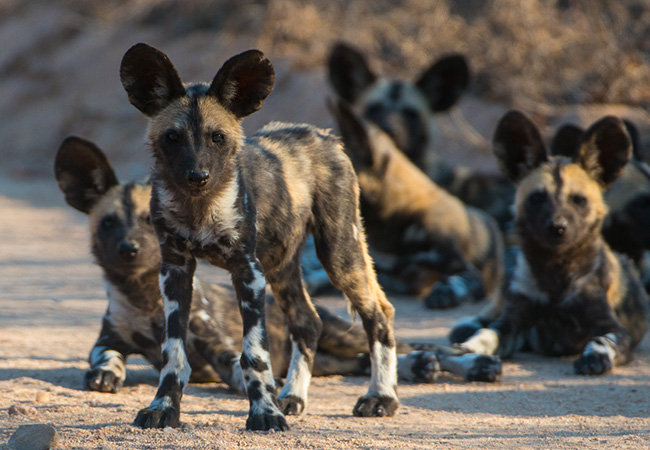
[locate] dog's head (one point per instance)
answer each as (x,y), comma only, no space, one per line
(559,201)
(401,108)
(122,238)
(195,129)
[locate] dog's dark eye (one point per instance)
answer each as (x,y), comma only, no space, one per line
(217,138)
(537,198)
(107,222)
(172,135)
(578,199)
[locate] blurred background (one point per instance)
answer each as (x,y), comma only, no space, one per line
(559,61)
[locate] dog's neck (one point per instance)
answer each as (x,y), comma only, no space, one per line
(141,291)
(556,268)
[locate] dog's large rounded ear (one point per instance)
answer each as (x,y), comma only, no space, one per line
(150,79)
(349,72)
(83,173)
(243,83)
(605,150)
(354,134)
(445,81)
(518,145)
(566,141)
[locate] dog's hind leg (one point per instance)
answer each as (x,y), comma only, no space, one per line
(341,246)
(304,328)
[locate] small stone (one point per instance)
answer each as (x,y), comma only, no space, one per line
(34,437)
(23,410)
(42,397)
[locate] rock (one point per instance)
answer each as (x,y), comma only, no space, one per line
(24,410)
(34,437)
(42,397)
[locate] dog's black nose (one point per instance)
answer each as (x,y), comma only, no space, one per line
(128,250)
(197,178)
(557,227)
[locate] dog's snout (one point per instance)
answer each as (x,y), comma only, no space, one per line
(128,250)
(557,226)
(197,178)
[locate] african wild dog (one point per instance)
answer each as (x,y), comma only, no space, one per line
(124,245)
(569,292)
(405,111)
(424,234)
(246,205)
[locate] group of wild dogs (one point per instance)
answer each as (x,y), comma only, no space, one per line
(435,231)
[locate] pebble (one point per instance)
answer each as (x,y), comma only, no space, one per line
(34,437)
(24,410)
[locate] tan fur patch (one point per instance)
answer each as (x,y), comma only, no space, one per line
(110,203)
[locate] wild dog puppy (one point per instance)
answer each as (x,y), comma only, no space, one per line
(569,292)
(405,110)
(246,205)
(428,235)
(124,245)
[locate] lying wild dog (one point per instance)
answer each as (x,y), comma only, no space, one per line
(426,242)
(405,110)
(124,245)
(569,293)
(246,205)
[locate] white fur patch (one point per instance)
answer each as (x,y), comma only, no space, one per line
(259,282)
(524,282)
(485,341)
(177,362)
(298,377)
(160,403)
(603,345)
(126,318)
(355,232)
(383,372)
(108,360)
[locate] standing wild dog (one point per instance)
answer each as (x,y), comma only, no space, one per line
(405,111)
(424,234)
(124,245)
(569,292)
(246,205)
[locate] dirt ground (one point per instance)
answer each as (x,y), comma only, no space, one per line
(52,300)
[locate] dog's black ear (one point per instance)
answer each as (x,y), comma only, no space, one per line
(349,72)
(243,83)
(354,133)
(635,137)
(518,145)
(566,141)
(83,173)
(444,82)
(150,79)
(605,150)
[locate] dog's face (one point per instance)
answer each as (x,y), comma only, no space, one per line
(195,130)
(122,238)
(401,108)
(559,202)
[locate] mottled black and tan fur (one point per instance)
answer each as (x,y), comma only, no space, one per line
(426,241)
(405,109)
(124,245)
(246,205)
(569,293)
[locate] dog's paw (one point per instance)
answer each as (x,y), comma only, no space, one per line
(266,422)
(103,380)
(158,418)
(464,330)
(291,405)
(447,293)
(419,367)
(484,368)
(592,363)
(372,406)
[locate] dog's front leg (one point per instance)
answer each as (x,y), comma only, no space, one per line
(250,285)
(107,361)
(611,345)
(176,274)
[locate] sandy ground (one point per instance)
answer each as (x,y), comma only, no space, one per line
(52,299)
